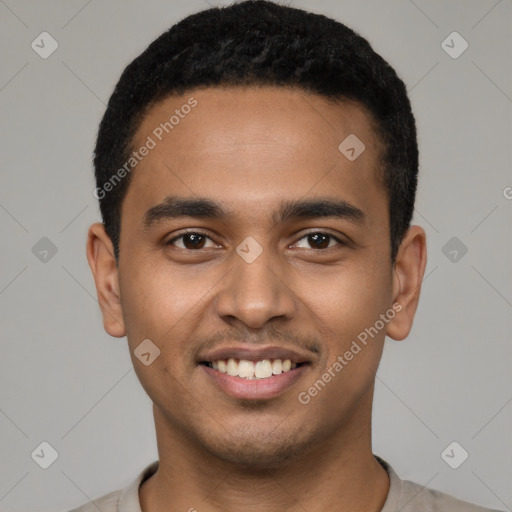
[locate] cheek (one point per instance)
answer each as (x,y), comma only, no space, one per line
(351,303)
(155,300)
(160,307)
(350,298)
(348,311)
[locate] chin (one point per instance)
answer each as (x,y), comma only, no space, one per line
(257,452)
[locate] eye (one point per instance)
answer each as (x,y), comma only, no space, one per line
(195,240)
(320,240)
(191,240)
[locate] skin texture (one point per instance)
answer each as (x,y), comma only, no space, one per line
(249,149)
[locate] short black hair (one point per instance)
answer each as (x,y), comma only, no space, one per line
(259,42)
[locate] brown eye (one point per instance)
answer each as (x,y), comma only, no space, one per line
(191,241)
(320,240)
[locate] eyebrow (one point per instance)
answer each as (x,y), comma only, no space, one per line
(173,207)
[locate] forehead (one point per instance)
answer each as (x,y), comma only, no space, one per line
(248,145)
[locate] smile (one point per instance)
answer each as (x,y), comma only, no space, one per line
(253,380)
(252,370)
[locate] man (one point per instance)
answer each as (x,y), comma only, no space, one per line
(256,169)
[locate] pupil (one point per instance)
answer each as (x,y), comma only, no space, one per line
(317,236)
(194,238)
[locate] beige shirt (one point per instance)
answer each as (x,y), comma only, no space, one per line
(403,496)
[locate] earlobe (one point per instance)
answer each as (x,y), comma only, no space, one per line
(100,255)
(408,272)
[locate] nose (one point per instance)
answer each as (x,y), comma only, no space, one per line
(256,292)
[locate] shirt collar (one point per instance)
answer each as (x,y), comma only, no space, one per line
(129,498)
(395,487)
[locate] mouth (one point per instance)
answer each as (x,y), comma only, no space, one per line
(252,370)
(251,373)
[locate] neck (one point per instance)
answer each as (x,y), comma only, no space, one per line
(339,472)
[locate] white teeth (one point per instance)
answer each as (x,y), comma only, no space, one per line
(253,370)
(245,369)
(277,367)
(263,369)
(232,368)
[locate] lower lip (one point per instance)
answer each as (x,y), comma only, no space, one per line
(255,389)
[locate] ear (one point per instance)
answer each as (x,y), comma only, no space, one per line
(409,269)
(100,255)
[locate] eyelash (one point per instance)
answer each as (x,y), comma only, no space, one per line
(201,233)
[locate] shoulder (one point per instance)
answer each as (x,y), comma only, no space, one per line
(107,503)
(122,500)
(415,497)
(408,496)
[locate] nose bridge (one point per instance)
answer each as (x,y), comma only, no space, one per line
(253,291)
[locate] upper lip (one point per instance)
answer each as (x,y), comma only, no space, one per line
(252,353)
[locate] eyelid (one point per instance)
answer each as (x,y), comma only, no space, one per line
(190,231)
(338,239)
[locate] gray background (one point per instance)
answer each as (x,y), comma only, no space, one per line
(63,380)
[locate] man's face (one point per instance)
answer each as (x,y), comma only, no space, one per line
(256,284)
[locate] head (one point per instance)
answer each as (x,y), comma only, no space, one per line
(231,127)
(261,43)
